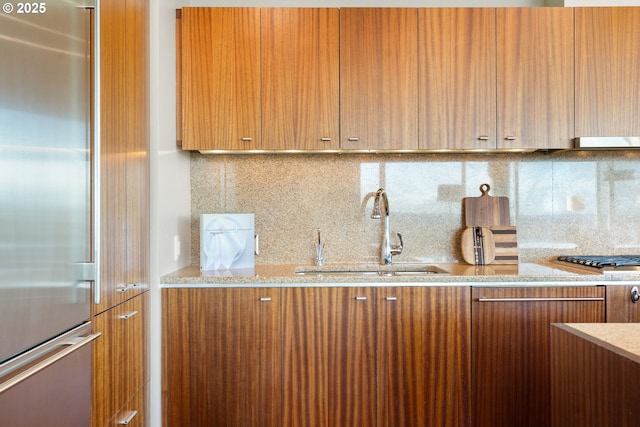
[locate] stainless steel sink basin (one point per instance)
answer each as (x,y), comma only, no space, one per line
(370,270)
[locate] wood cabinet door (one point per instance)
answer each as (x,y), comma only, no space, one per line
(300,96)
(511,344)
(457,73)
(423,352)
(220,73)
(607,71)
(113,137)
(621,308)
(535,77)
(120,357)
(329,358)
(222,357)
(137,167)
(378,78)
(124,157)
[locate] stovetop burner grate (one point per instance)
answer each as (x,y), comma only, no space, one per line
(608,263)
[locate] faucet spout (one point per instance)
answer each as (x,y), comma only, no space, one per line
(381,207)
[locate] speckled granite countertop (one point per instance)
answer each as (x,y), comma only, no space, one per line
(524,274)
(621,338)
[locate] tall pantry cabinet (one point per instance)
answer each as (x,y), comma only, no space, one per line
(120,368)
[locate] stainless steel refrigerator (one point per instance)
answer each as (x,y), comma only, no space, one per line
(47,212)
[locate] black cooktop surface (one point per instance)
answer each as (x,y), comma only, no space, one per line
(615,262)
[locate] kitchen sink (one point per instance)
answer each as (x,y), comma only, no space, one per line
(370,270)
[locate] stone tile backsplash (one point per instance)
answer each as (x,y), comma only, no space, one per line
(561,203)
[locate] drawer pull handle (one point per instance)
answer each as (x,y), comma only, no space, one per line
(391,298)
(130,416)
(354,139)
(325,139)
(510,138)
(361,298)
(536,299)
(635,295)
(265,299)
(247,139)
(128,315)
(483,138)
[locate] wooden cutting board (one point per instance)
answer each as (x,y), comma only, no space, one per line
(506,244)
(486,210)
(489,245)
(477,245)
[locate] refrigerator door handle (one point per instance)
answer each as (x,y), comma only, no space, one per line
(73,343)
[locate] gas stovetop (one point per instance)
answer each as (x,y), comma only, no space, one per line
(605,264)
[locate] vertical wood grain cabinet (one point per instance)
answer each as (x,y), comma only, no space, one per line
(535,77)
(424,356)
(259,78)
(623,304)
(496,78)
(221,360)
(350,356)
(120,361)
(607,72)
(300,79)
(378,78)
(511,345)
(329,357)
(120,377)
(220,72)
(457,77)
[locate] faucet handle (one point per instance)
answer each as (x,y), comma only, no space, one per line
(397,249)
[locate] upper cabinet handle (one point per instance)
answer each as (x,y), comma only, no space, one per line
(483,138)
(510,138)
(325,139)
(354,138)
(247,139)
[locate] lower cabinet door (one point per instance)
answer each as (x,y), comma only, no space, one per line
(221,358)
(424,361)
(329,362)
(511,344)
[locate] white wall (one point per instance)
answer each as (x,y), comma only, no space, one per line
(170,175)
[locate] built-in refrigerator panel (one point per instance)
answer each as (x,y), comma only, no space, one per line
(45,171)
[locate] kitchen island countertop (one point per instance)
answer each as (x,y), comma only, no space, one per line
(523,274)
(620,338)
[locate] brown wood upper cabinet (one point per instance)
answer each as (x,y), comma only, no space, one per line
(535,77)
(496,78)
(219,69)
(607,72)
(300,79)
(221,360)
(457,69)
(378,78)
(256,78)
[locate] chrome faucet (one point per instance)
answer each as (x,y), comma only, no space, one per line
(387,250)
